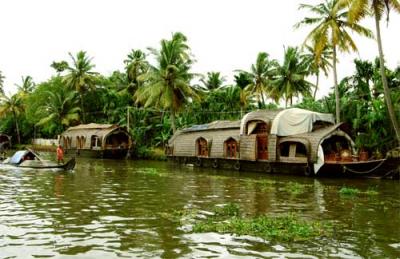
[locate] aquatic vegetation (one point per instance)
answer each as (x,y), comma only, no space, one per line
(348,191)
(152,171)
(371,191)
(281,228)
(230,209)
(288,227)
(182,216)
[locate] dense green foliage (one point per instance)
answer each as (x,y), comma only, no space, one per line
(158,98)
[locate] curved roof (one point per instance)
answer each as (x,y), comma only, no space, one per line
(263,115)
(91,129)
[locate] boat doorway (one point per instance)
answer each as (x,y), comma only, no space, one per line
(262,147)
(261,129)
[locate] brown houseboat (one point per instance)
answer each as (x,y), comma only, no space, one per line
(281,141)
(96,140)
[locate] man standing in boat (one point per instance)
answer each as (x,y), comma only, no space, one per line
(60,154)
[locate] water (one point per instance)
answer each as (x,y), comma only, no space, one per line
(114,209)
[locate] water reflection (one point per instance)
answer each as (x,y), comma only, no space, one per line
(110,209)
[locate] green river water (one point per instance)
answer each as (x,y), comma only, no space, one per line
(117,208)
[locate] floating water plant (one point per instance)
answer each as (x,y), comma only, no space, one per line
(371,191)
(349,191)
(288,227)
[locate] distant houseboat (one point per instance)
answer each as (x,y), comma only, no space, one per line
(280,141)
(96,140)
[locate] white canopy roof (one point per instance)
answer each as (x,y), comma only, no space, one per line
(296,121)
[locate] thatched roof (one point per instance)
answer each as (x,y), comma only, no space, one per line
(92,126)
(315,138)
(266,116)
(88,130)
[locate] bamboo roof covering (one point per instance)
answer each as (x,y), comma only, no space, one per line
(91,129)
(266,116)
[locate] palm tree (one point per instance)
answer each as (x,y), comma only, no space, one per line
(260,75)
(214,81)
(1,82)
(358,10)
(168,84)
(62,108)
(80,76)
(27,86)
(290,76)
(135,65)
(242,80)
(331,30)
(316,64)
(13,105)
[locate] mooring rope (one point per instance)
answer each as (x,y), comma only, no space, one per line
(365,172)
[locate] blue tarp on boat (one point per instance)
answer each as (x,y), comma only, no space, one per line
(17,157)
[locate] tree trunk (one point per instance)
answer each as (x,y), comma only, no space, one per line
(17,128)
(83,111)
(173,121)
(386,89)
(316,86)
(337,97)
(262,98)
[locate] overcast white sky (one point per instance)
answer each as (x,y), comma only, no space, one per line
(224,35)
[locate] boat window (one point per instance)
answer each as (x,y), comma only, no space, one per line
(231,148)
(83,140)
(292,149)
(202,147)
(95,141)
(78,142)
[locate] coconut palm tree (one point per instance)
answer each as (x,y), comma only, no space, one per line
(80,76)
(317,64)
(135,65)
(242,80)
(13,105)
(62,108)
(358,10)
(168,83)
(331,29)
(27,86)
(214,81)
(260,74)
(290,76)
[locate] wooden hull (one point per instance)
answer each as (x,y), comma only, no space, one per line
(68,166)
(383,168)
(261,166)
(98,153)
(379,168)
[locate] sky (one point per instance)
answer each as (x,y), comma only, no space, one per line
(224,35)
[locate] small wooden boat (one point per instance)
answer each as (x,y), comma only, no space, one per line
(28,159)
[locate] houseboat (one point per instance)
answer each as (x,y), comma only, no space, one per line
(96,140)
(278,141)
